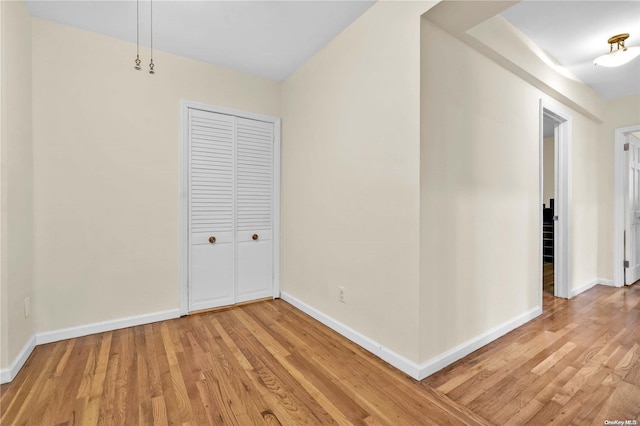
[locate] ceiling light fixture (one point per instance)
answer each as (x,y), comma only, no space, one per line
(620,56)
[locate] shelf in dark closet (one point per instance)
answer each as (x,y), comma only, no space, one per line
(547,232)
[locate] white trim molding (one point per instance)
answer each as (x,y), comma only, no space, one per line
(437,363)
(584,287)
(603,281)
(401,363)
(415,370)
(618,202)
(102,326)
(594,282)
(9,373)
(554,111)
(276,207)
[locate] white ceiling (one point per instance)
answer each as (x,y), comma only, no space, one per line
(265,38)
(273,38)
(576,32)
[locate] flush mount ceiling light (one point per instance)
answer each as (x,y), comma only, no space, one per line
(620,56)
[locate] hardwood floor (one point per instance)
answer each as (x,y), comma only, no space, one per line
(265,363)
(268,363)
(579,363)
(547,278)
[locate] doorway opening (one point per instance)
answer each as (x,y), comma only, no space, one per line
(548,203)
(555,202)
(626,206)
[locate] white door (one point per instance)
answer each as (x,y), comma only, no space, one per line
(231,174)
(254,217)
(632,211)
(211,210)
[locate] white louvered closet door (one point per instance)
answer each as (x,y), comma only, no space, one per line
(211,210)
(230,209)
(254,151)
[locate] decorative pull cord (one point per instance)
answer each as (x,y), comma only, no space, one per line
(137,67)
(151,71)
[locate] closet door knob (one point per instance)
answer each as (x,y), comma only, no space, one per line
(254,237)
(212,240)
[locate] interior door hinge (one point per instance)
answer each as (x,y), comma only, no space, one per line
(626,263)
(626,147)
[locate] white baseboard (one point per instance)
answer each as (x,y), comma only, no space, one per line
(583,288)
(388,355)
(452,355)
(9,373)
(604,281)
(417,371)
(102,326)
(591,284)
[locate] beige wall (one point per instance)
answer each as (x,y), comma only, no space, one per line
(420,199)
(107,171)
(16,211)
(548,179)
(350,176)
(584,201)
(592,175)
(480,235)
(621,112)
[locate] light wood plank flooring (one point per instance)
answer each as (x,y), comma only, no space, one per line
(268,363)
(579,363)
(548,278)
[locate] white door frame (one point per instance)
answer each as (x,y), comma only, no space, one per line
(185,105)
(562,227)
(618,203)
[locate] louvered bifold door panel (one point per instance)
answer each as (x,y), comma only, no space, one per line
(211,209)
(254,151)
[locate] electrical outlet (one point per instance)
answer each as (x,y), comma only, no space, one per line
(27,307)
(341,297)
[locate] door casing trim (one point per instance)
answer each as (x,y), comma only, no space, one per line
(618,202)
(562,234)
